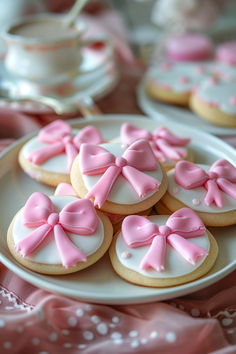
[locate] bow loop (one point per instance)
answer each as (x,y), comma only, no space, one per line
(129,133)
(188,175)
(95,159)
(223,168)
(54,132)
(37,210)
(170,138)
(186,222)
(87,135)
(140,155)
(79,217)
(138,230)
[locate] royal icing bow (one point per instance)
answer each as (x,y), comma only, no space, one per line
(138,231)
(58,136)
(95,160)
(221,177)
(164,144)
(78,217)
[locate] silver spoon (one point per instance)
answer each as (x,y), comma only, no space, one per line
(57,106)
(74,12)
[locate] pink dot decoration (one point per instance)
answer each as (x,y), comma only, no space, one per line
(125,255)
(213,81)
(233,100)
(184,79)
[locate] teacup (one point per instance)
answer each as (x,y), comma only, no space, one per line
(42,49)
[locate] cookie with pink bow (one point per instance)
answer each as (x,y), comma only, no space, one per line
(167,147)
(58,234)
(209,190)
(161,250)
(48,157)
(215,100)
(119,179)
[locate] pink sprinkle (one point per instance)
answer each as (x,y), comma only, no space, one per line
(213,81)
(233,100)
(175,190)
(200,69)
(184,79)
(125,255)
(196,201)
(166,67)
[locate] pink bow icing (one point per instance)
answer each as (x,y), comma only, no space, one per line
(138,231)
(164,144)
(221,177)
(58,136)
(78,217)
(95,160)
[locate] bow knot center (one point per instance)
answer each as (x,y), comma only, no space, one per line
(164,230)
(53,219)
(213,175)
(121,162)
(67,139)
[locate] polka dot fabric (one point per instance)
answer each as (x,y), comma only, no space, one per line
(46,323)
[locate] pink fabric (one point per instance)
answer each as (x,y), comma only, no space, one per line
(33,320)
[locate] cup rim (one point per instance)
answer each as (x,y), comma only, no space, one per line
(7,35)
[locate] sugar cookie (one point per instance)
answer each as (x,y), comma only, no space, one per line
(119,179)
(174,82)
(215,100)
(48,157)
(209,190)
(162,251)
(58,234)
(167,147)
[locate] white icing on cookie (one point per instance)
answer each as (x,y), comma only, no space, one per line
(47,253)
(188,196)
(222,94)
(179,77)
(223,70)
(122,192)
(175,265)
(57,164)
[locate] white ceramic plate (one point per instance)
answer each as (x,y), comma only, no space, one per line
(95,81)
(167,114)
(99,283)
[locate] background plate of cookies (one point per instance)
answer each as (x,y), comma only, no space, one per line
(99,283)
(168,114)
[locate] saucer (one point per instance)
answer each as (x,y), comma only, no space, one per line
(98,76)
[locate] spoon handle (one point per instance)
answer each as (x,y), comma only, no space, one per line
(73,13)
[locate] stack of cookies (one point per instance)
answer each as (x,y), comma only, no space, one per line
(193,76)
(105,191)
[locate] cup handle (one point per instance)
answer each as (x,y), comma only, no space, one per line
(107,58)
